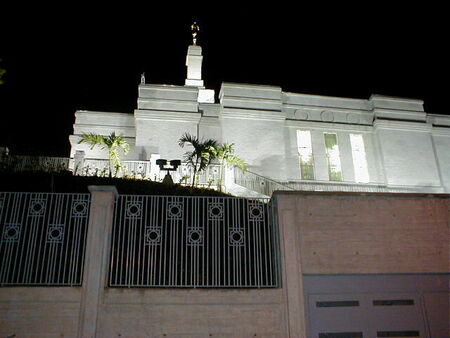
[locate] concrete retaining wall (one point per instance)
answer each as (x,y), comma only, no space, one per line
(320,233)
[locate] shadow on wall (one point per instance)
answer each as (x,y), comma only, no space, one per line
(271,166)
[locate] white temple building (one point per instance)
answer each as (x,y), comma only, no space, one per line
(290,141)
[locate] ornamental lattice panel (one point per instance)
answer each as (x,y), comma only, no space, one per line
(43,238)
(161,241)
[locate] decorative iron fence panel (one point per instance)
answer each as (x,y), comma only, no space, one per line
(43,238)
(161,241)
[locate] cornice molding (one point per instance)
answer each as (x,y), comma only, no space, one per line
(328,126)
(440,131)
(102,114)
(249,114)
(379,124)
(158,115)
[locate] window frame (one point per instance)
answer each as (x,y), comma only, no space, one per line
(361,169)
(338,164)
(307,171)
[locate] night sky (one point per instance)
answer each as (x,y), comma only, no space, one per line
(59,59)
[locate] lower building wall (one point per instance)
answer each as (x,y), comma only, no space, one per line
(368,304)
(321,234)
(341,247)
(345,233)
(39,311)
(193,313)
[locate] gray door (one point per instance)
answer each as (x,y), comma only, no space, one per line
(377,306)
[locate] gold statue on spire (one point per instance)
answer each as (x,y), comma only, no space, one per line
(194,29)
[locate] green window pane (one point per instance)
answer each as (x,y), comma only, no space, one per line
(333,156)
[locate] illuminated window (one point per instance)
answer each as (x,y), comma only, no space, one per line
(334,161)
(305,154)
(359,158)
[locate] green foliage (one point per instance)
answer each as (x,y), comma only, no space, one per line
(226,156)
(204,151)
(113,144)
(66,182)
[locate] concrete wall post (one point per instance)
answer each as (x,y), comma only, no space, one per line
(96,259)
(291,266)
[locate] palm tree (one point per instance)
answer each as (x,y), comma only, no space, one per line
(225,154)
(202,154)
(113,143)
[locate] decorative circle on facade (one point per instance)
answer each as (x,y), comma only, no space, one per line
(353,118)
(11,233)
(327,116)
(301,114)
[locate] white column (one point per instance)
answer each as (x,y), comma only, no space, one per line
(194,60)
(78,162)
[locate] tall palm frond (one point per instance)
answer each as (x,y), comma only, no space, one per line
(93,140)
(112,143)
(202,154)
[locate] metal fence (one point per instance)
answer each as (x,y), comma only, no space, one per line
(163,241)
(43,238)
(258,183)
(101,168)
(267,186)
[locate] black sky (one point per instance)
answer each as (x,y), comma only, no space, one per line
(59,59)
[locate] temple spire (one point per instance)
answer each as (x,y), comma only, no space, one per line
(194,60)
(194,30)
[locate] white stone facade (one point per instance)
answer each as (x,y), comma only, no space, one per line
(404,147)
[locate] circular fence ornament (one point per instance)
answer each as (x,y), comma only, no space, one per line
(236,237)
(134,209)
(79,208)
(55,234)
(11,233)
(37,207)
(256,212)
(195,236)
(175,210)
(152,236)
(215,211)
